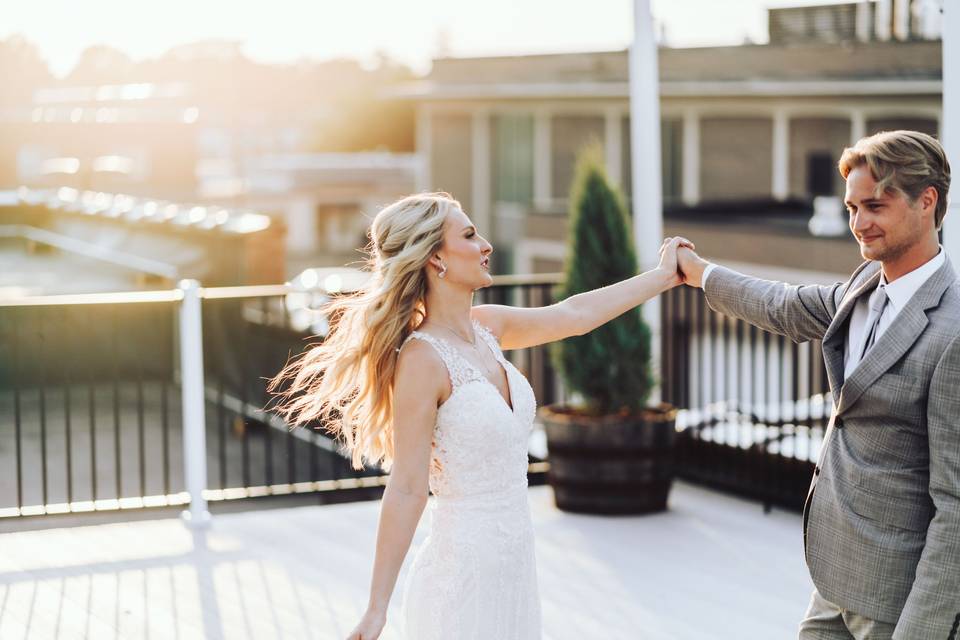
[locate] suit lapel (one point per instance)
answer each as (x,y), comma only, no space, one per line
(889,348)
(898,338)
(836,335)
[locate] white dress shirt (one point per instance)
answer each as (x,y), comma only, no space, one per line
(899,292)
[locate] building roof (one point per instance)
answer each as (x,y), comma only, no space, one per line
(868,68)
(135,210)
(106,242)
(297,170)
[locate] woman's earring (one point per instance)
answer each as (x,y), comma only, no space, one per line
(443,271)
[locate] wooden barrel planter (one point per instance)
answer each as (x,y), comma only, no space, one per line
(614,464)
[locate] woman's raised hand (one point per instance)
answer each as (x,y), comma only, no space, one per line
(668,258)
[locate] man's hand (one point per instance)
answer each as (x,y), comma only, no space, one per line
(691,267)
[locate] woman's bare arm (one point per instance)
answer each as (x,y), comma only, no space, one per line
(518,327)
(421,379)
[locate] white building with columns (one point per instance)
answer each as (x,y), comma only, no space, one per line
(749,134)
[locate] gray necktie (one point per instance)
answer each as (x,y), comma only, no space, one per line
(878,302)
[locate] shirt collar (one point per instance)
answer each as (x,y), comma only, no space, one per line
(902,289)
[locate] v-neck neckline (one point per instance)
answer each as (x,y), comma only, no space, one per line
(501,361)
(478,335)
(509,403)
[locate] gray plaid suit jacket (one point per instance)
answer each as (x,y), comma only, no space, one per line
(882,518)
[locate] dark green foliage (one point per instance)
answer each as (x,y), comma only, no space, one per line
(610,366)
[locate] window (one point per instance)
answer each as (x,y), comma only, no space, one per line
(569,135)
(821,168)
(671,159)
(671,141)
(512,157)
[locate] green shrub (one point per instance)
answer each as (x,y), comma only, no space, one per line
(609,366)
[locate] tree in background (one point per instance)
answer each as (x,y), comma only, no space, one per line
(610,366)
(339,105)
(23,71)
(609,452)
(363,117)
(101,64)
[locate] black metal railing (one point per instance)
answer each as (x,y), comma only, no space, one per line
(87,395)
(91,415)
(754,404)
(249,334)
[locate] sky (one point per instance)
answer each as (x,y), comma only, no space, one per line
(411,31)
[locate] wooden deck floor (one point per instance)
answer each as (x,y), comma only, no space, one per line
(713,567)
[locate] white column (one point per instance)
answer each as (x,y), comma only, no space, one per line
(424,147)
(901,19)
(645,150)
(613,145)
(780,186)
(192,403)
(883,14)
(302,233)
(931,25)
(481,172)
(863,21)
(691,157)
(950,130)
(858,125)
(542,164)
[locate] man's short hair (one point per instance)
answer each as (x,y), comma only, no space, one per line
(903,161)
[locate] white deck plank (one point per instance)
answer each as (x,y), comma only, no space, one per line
(712,567)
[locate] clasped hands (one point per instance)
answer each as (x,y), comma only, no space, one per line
(680,263)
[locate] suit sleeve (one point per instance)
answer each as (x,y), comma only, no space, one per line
(933,606)
(801,313)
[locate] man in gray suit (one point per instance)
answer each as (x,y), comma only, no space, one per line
(881,523)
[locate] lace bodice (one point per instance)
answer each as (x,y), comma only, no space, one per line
(474,577)
(480,443)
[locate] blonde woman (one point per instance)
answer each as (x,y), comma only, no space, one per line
(413,378)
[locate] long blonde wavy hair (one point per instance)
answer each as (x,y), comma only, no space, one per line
(346,381)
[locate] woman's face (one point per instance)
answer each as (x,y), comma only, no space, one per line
(465,252)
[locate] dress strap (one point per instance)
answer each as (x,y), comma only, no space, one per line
(459,370)
(488,337)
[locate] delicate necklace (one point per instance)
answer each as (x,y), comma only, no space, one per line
(472,343)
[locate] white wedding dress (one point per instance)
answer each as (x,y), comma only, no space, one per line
(474,577)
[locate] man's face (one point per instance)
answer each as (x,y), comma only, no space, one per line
(886,225)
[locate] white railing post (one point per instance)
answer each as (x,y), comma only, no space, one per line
(645,147)
(194,413)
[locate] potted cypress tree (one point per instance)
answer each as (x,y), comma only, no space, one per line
(609,451)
